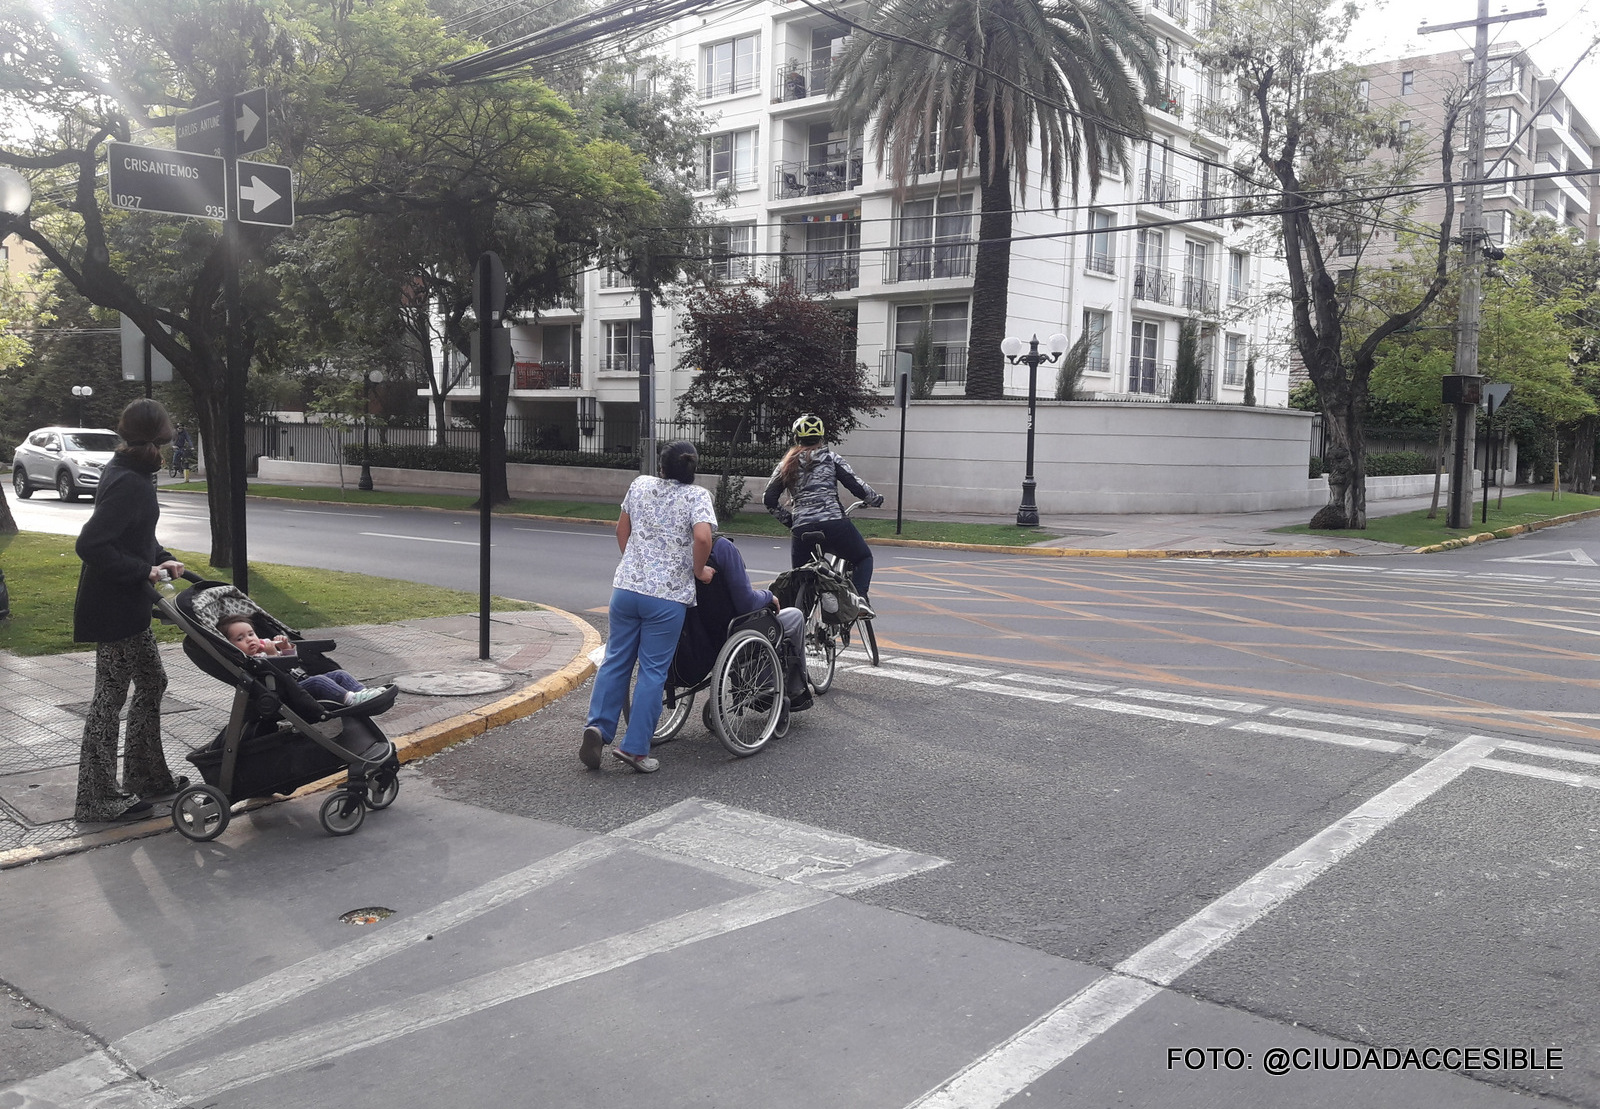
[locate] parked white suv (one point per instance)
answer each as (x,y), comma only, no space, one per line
(68,459)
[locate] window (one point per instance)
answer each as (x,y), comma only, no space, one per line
(1144,372)
(729,160)
(935,238)
(1505,75)
(1364,90)
(1233,360)
(612,276)
(1408,82)
(1496,223)
(947,325)
(1199,293)
(621,346)
(1500,125)
(731,248)
(1095,324)
(730,66)
(1405,129)
(1238,276)
(1100,258)
(1151,281)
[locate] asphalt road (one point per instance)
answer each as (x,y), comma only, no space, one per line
(1086,813)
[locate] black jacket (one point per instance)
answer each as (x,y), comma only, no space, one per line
(118,546)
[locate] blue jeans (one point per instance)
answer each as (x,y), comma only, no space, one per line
(643,629)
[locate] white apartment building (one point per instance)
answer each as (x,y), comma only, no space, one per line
(810,205)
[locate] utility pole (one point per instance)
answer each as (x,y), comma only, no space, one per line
(1474,236)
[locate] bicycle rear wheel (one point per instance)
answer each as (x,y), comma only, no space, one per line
(869,639)
(822,653)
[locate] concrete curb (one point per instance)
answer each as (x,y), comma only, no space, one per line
(414,745)
(1091,552)
(1507,532)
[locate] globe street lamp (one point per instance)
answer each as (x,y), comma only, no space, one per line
(1012,348)
(15,193)
(83,393)
(371,378)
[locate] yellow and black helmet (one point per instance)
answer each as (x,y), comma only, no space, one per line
(809,427)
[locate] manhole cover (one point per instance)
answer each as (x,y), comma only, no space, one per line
(453,683)
(369,915)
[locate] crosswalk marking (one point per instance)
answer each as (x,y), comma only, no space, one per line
(946,667)
(1013,691)
(1549,774)
(1353,721)
(1545,752)
(1189,699)
(1264,728)
(1057,683)
(1150,710)
(903,675)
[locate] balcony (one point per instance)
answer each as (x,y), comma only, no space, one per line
(1159,189)
(1175,10)
(927,262)
(949,360)
(1155,285)
(1100,263)
(824,271)
(545,375)
(1201,296)
(817,178)
(941,161)
(801,80)
(1148,377)
(1211,115)
(1203,204)
(1169,99)
(619,363)
(734,267)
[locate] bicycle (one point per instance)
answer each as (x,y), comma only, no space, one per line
(825,634)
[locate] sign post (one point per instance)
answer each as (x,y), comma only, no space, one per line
(492,352)
(902,400)
(1495,397)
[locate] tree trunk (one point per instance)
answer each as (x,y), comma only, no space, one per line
(1344,459)
(1438,462)
(991,278)
(211,409)
(1582,460)
(8,522)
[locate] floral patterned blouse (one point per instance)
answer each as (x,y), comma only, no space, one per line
(659,559)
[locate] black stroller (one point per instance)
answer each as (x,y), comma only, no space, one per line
(278,737)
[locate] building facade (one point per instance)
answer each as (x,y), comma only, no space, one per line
(808,205)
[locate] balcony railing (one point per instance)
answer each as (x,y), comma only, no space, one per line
(741,177)
(1100,263)
(735,267)
(799,80)
(1149,377)
(817,178)
(1200,295)
(940,161)
(1097,364)
(1158,188)
(727,85)
(949,361)
(619,363)
(545,375)
(823,271)
(1237,293)
(615,279)
(1204,204)
(1169,99)
(1211,114)
(1176,10)
(927,262)
(1155,285)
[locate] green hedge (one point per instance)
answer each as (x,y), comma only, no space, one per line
(461,460)
(1389,464)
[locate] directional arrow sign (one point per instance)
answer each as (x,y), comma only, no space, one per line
(150,179)
(266,194)
(199,130)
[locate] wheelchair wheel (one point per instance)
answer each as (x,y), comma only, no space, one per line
(746,692)
(822,652)
(672,718)
(869,639)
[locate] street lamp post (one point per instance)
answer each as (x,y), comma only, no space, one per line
(1012,348)
(371,378)
(83,393)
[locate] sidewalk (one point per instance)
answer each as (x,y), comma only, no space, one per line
(448,694)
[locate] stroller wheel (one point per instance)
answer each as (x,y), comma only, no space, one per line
(343,812)
(200,812)
(382,790)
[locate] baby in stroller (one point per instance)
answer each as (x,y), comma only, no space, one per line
(337,686)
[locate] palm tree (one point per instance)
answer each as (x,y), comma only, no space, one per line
(997,79)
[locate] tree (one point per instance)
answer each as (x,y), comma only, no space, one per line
(1073,363)
(1186,374)
(1250,380)
(767,354)
(988,82)
(345,116)
(14,349)
(1313,136)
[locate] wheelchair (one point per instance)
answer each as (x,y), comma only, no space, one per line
(737,661)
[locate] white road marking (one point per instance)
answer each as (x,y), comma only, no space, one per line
(902,675)
(1549,774)
(1011,1066)
(1262,727)
(1572,556)
(324,512)
(1187,699)
(932,588)
(1353,721)
(1549,752)
(591,533)
(332,1039)
(1061,683)
(1013,691)
(946,667)
(95,1076)
(421,538)
(1152,711)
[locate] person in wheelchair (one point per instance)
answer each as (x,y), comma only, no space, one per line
(726,560)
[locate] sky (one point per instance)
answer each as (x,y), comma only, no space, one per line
(1389,30)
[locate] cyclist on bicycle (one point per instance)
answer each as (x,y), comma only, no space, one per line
(810,473)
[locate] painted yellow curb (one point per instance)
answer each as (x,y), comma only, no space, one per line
(1094,552)
(1507,532)
(411,746)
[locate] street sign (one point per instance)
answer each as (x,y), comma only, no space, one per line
(199,130)
(135,349)
(266,194)
(1495,395)
(176,183)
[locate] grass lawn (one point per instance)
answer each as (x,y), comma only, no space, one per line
(1414,529)
(42,575)
(752,521)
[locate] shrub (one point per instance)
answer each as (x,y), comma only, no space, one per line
(1398,462)
(1316,467)
(751,461)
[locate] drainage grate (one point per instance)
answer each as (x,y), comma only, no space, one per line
(370,915)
